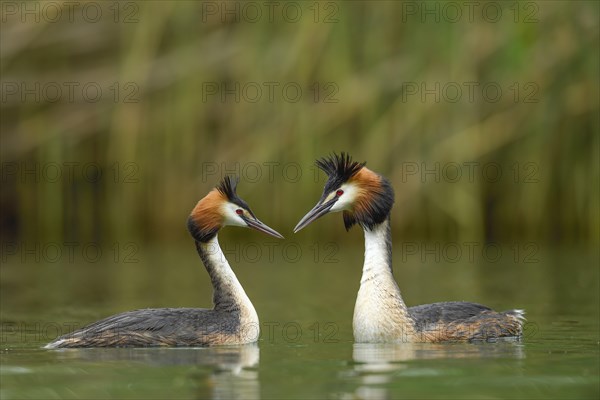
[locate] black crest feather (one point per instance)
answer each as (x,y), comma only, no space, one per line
(227,187)
(339,169)
(340,166)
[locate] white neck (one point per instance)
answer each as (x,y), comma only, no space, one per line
(229,295)
(380,314)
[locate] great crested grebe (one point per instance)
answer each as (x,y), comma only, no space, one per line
(233,319)
(380,315)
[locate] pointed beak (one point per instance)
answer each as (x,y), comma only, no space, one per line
(318,211)
(259,226)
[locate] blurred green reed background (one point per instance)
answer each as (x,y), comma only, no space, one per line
(115,124)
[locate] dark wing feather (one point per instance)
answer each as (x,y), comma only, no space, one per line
(445,312)
(459,320)
(147,327)
(149,319)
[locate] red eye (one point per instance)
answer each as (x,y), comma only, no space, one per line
(239,211)
(339,192)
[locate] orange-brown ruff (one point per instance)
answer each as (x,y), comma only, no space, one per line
(232,320)
(369,186)
(380,314)
(206,215)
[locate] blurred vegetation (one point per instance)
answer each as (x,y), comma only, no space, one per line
(146,150)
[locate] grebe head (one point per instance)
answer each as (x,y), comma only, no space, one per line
(221,207)
(365,197)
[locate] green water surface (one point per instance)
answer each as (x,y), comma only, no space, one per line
(306,350)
